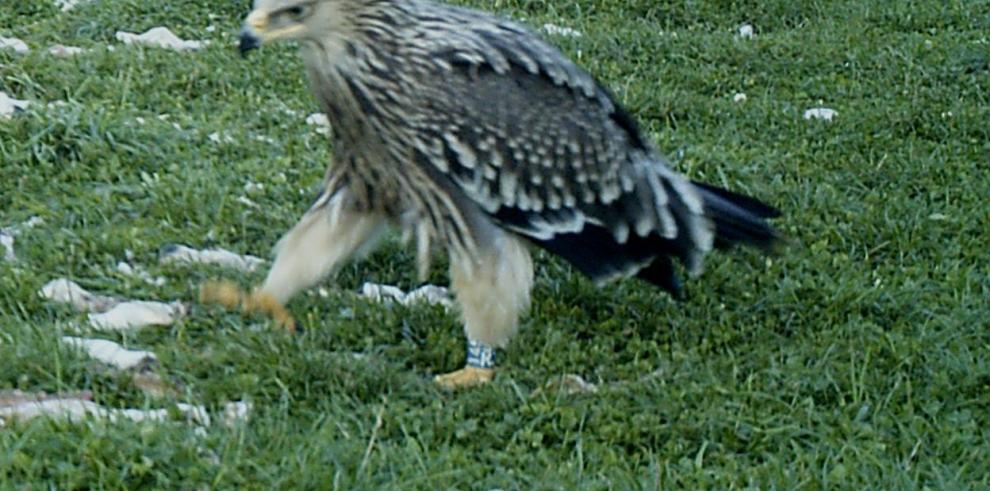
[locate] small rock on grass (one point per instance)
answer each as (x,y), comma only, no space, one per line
(112,314)
(14,44)
(63,51)
(430,294)
(137,313)
(822,113)
(67,5)
(219,257)
(236,412)
(63,290)
(78,409)
(320,121)
(159,37)
(7,242)
(112,353)
(10,106)
(555,30)
(569,384)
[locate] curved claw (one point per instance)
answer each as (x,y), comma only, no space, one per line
(232,296)
(465,377)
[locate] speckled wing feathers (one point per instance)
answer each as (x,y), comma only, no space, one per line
(537,144)
(465,123)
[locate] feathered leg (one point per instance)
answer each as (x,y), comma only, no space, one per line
(493,291)
(328,234)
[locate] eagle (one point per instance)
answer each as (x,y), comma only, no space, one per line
(482,140)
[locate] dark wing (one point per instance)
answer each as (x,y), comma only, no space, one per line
(538,145)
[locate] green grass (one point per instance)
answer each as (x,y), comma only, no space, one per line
(859,358)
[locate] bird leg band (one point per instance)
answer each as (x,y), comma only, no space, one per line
(480,355)
(480,368)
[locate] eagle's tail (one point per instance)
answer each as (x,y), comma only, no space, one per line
(595,251)
(739,218)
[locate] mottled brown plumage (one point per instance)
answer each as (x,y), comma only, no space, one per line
(475,134)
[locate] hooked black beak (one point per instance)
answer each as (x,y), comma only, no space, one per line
(248,42)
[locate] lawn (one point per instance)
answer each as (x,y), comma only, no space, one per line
(858,357)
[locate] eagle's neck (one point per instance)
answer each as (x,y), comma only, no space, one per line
(363,119)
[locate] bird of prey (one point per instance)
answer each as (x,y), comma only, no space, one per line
(479,138)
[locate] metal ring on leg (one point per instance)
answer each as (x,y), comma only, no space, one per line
(480,355)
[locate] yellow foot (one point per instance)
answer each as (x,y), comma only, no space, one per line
(231,296)
(222,293)
(266,304)
(465,377)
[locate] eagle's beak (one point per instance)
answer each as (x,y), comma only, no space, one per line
(248,42)
(253,32)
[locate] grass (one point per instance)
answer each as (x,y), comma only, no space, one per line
(856,359)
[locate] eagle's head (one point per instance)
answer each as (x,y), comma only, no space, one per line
(299,20)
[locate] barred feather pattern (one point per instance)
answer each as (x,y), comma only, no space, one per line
(467,122)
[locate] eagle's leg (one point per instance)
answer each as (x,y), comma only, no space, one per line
(329,233)
(493,291)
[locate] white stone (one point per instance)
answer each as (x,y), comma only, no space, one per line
(572,384)
(220,257)
(111,353)
(65,409)
(63,51)
(63,290)
(138,272)
(194,413)
(7,241)
(822,113)
(381,293)
(236,412)
(136,415)
(67,5)
(244,200)
(77,410)
(746,31)
(31,223)
(320,121)
(9,106)
(15,44)
(159,37)
(7,235)
(219,138)
(125,269)
(430,294)
(555,30)
(137,314)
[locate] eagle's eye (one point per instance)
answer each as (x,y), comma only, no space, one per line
(298,12)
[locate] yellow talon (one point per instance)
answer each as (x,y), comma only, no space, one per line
(232,296)
(264,303)
(465,377)
(222,293)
